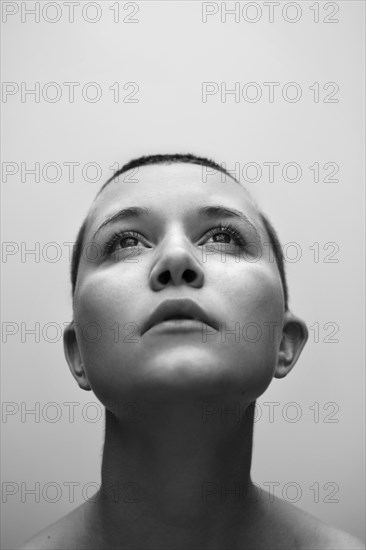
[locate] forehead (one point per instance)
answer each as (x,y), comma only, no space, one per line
(172,190)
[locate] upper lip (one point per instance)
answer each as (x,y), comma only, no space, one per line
(173,309)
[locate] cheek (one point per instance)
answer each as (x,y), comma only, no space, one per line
(107,332)
(256,296)
(253,333)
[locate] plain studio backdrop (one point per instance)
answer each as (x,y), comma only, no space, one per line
(116,80)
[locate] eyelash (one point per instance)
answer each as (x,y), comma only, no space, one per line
(231,230)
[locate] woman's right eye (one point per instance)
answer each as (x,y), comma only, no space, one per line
(117,238)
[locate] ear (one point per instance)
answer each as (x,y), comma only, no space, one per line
(73,357)
(294,337)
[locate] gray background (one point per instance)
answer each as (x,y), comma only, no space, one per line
(169,52)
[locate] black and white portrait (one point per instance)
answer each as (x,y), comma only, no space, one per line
(183,275)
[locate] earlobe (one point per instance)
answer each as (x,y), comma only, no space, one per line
(73,357)
(294,338)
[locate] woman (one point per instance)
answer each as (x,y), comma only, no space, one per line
(172,273)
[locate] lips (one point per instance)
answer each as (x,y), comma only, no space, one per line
(178,309)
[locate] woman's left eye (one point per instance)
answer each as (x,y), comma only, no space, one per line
(229,231)
(129,236)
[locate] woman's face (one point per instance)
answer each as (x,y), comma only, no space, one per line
(238,286)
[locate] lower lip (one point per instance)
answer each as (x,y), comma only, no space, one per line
(180,325)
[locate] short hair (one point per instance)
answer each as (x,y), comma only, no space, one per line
(171,159)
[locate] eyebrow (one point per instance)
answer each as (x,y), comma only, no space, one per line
(210,212)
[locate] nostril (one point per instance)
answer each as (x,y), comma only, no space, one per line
(190,275)
(164,278)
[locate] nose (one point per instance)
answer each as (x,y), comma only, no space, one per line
(177,264)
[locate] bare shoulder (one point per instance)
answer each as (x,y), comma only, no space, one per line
(52,537)
(343,541)
(67,533)
(40,541)
(311,533)
(306,532)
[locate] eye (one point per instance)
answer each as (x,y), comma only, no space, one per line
(125,237)
(228,231)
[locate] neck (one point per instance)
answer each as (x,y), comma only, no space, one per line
(179,476)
